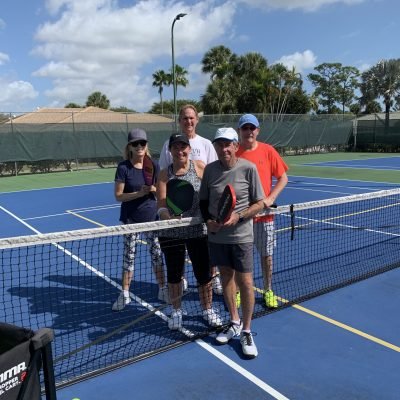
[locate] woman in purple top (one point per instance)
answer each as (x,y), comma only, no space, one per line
(138,204)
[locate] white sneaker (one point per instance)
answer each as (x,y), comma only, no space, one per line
(184,285)
(249,348)
(121,302)
(212,317)
(231,331)
(175,321)
(216,285)
(163,294)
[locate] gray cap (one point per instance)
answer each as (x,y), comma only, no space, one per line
(137,134)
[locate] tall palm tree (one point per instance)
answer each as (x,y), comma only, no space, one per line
(161,78)
(218,98)
(247,71)
(180,77)
(382,80)
(216,62)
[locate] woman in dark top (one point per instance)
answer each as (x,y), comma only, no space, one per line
(139,204)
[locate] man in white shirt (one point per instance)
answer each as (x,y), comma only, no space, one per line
(201,148)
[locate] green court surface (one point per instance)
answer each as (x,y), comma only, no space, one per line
(296,168)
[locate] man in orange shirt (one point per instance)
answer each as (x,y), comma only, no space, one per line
(269,164)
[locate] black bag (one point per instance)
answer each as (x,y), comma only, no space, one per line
(22,353)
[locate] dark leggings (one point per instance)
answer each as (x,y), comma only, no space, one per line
(174,253)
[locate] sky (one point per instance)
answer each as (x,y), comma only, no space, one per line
(53,52)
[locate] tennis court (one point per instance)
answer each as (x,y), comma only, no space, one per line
(386,164)
(302,355)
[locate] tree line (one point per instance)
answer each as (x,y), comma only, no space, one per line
(247,83)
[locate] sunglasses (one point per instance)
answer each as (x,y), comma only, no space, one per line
(246,127)
(139,142)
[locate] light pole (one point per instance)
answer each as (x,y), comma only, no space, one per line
(178,17)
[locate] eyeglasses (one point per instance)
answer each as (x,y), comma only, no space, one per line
(246,127)
(139,142)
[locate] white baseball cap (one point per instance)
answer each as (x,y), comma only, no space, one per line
(226,134)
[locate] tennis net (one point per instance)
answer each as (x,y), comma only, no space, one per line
(68,281)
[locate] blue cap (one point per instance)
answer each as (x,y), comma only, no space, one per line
(248,119)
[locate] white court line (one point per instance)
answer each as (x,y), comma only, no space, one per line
(82,210)
(294,182)
(316,190)
(230,363)
(337,179)
(242,371)
(56,187)
(353,167)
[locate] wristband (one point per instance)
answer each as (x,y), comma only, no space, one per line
(160,210)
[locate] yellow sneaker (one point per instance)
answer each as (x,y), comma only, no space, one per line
(237,298)
(271,301)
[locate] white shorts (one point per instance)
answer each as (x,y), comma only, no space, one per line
(264,237)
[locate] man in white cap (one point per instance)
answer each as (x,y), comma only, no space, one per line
(269,165)
(231,243)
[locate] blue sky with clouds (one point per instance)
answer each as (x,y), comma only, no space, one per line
(53,52)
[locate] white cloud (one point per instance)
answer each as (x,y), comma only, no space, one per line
(2,24)
(198,80)
(4,58)
(15,92)
(306,5)
(300,61)
(93,45)
(364,66)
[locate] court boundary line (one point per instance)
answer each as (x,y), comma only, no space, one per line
(57,187)
(338,179)
(242,371)
(339,166)
(359,159)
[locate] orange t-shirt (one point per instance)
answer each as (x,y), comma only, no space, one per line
(269,164)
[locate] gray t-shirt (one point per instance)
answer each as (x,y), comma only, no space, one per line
(246,182)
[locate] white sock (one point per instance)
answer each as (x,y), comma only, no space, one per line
(126,293)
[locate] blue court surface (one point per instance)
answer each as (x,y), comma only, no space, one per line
(341,345)
(386,163)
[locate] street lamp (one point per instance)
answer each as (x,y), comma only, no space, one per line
(178,17)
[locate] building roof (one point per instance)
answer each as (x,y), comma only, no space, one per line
(86,115)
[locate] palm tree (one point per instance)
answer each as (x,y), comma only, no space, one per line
(247,72)
(382,80)
(218,98)
(161,78)
(97,99)
(216,62)
(284,81)
(180,77)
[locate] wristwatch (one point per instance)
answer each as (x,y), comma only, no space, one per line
(241,218)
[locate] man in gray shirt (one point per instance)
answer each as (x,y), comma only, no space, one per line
(231,242)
